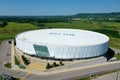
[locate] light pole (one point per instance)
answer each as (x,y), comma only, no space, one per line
(117,76)
(1,67)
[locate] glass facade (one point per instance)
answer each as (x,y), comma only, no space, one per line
(41,50)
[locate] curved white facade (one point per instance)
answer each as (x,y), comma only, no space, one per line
(62,43)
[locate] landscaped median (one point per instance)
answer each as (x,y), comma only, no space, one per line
(17,62)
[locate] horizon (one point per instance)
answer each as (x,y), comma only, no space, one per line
(59,15)
(56,7)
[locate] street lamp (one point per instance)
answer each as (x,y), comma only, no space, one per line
(1,67)
(117,76)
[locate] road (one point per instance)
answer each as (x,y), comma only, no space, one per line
(61,75)
(76,73)
(111,76)
(5,55)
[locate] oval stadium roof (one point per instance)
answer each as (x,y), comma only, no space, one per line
(73,37)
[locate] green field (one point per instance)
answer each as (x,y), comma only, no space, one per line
(112,29)
(12,29)
(117,56)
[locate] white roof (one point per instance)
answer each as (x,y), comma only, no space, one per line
(66,37)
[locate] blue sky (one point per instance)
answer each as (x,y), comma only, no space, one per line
(57,7)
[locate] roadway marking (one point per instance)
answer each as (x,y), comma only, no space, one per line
(25,76)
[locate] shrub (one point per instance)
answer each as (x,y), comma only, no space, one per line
(3,24)
(14,42)
(61,63)
(0,77)
(117,55)
(25,60)
(48,66)
(9,42)
(16,61)
(55,64)
(8,65)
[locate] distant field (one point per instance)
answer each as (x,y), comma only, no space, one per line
(112,29)
(12,29)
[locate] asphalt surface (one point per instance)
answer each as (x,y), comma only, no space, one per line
(64,75)
(5,55)
(111,76)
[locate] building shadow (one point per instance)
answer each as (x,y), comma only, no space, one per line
(109,54)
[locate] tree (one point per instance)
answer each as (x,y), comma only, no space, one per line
(25,60)
(14,42)
(8,65)
(3,24)
(61,63)
(48,66)
(55,64)
(16,61)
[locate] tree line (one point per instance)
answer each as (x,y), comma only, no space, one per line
(32,19)
(3,24)
(114,17)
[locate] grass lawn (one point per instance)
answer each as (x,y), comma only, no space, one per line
(13,28)
(117,55)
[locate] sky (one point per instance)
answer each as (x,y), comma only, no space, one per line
(57,7)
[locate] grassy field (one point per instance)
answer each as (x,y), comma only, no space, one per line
(117,56)
(12,29)
(112,29)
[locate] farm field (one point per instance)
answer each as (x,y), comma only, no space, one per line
(112,29)
(12,29)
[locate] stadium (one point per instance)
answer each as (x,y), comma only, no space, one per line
(62,43)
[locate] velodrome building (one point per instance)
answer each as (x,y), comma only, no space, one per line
(62,43)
